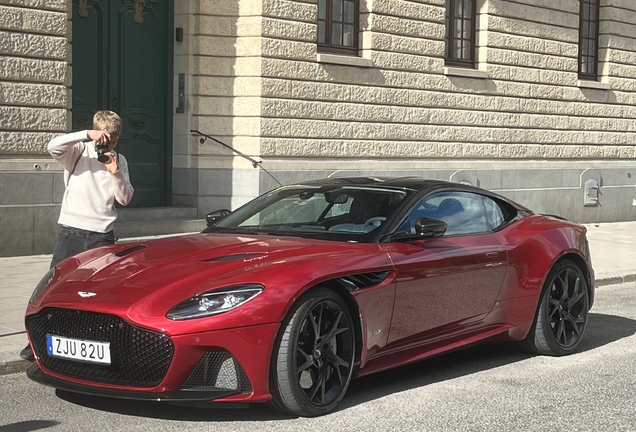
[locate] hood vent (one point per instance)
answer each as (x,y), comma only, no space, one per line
(130,250)
(363,280)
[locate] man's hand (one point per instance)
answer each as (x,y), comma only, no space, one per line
(111,165)
(99,137)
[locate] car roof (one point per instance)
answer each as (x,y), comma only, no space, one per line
(411,183)
(414,183)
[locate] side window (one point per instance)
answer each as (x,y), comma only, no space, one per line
(494,214)
(460,32)
(338,26)
(588,39)
(464,213)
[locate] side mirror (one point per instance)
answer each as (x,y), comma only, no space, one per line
(425,227)
(215,216)
(428,227)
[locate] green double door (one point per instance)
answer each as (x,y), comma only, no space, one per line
(122,60)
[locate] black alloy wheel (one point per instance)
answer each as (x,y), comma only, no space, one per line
(563,312)
(314,355)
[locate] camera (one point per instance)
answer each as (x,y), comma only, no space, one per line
(102,149)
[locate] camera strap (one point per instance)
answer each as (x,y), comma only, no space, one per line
(75,165)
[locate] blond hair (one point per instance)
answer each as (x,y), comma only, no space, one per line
(107,121)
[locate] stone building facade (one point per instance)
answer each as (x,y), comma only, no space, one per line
(520,121)
(34,107)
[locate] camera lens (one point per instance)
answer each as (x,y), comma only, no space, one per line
(101,154)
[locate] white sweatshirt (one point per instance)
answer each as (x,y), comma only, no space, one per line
(88,201)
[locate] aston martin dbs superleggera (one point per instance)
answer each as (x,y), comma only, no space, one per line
(289,297)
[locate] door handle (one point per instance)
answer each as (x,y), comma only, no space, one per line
(492,254)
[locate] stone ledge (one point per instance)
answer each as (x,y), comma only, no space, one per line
(24,164)
(596,85)
(344,60)
(465,72)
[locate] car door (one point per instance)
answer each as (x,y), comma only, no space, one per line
(454,279)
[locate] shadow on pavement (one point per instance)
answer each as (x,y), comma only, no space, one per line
(29,426)
(602,330)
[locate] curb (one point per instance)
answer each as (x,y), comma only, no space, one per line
(614,280)
(21,365)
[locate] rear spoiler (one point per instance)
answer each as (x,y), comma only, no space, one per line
(554,216)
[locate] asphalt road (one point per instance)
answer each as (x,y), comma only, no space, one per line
(488,388)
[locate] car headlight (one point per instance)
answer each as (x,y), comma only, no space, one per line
(214,302)
(41,286)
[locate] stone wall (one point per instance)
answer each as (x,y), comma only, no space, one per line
(528,104)
(34,103)
(221,57)
(33,74)
(516,122)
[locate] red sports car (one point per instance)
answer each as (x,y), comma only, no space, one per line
(289,297)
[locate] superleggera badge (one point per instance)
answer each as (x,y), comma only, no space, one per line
(85,294)
(258,258)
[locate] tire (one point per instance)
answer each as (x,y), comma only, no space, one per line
(312,360)
(562,314)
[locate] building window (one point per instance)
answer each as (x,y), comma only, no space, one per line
(338,26)
(588,39)
(460,32)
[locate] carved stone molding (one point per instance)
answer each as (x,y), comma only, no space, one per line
(83,8)
(139,9)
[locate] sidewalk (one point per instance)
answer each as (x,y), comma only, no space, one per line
(613,247)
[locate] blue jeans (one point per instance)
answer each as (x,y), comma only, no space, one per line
(72,241)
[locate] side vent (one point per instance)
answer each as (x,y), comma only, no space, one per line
(363,280)
(130,250)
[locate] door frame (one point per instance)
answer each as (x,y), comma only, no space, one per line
(168,85)
(169,98)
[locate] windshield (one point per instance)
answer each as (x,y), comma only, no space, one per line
(347,213)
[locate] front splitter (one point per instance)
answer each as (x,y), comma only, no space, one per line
(36,374)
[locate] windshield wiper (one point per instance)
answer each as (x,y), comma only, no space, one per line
(255,231)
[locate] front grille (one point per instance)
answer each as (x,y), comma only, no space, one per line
(217,370)
(138,357)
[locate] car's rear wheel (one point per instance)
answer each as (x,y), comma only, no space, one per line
(562,314)
(314,354)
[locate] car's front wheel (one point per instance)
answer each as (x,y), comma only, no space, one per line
(562,314)
(314,355)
